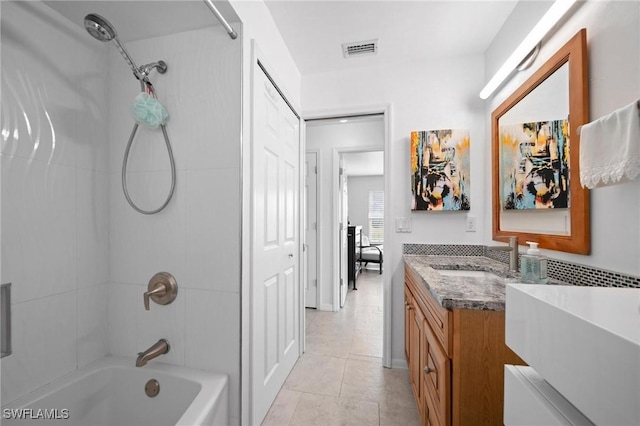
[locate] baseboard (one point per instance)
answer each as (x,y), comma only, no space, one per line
(399,363)
(326,307)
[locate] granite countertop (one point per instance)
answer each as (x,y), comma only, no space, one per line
(460,292)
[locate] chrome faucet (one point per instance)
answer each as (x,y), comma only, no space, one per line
(161,347)
(512,248)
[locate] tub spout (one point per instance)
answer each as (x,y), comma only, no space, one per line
(159,348)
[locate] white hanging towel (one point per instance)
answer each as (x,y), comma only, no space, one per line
(610,148)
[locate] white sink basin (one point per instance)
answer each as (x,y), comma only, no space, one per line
(584,341)
(465,273)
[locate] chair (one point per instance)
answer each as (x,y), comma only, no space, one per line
(371,252)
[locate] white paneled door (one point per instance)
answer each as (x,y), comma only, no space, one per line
(311,229)
(343,204)
(275,297)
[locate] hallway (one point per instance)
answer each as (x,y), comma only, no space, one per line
(340,380)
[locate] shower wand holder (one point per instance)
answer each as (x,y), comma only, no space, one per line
(160,66)
(142,73)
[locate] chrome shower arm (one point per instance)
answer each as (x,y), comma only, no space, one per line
(161,66)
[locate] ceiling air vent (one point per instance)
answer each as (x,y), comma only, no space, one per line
(360,48)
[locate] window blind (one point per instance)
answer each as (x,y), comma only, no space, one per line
(376,216)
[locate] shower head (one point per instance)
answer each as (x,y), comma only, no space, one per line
(99,27)
(102,30)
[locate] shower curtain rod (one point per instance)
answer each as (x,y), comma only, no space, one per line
(212,7)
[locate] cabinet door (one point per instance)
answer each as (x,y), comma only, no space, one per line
(439,318)
(415,347)
(407,309)
(429,413)
(436,374)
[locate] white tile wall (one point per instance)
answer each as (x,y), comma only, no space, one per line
(124,303)
(212,338)
(38,258)
(197,237)
(142,245)
(92,227)
(92,323)
(213,224)
(44,336)
(50,95)
(203,102)
(54,196)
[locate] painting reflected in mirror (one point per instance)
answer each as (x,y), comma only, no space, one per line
(534,162)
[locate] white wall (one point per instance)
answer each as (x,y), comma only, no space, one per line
(328,140)
(258,25)
(613,39)
(55,197)
(359,187)
(197,237)
(423,95)
(522,19)
(444,94)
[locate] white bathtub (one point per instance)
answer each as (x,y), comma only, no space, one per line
(111,392)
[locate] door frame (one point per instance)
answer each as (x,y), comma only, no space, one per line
(335,194)
(247,158)
(386,111)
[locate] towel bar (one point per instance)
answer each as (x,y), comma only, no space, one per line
(637,105)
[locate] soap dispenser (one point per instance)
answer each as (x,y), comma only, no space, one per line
(533,265)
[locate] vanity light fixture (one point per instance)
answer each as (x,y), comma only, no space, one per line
(557,10)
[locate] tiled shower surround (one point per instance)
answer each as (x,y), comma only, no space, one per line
(567,272)
(78,256)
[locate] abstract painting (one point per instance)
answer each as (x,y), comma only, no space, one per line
(534,165)
(440,161)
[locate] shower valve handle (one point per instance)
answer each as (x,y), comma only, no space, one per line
(162,289)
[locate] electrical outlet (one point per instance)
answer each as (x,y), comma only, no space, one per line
(471,224)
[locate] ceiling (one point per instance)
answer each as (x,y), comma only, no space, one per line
(135,20)
(314,31)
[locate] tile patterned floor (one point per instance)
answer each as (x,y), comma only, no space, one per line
(340,380)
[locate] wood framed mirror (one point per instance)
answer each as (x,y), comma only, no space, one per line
(535,147)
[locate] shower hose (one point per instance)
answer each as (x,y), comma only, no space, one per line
(124,172)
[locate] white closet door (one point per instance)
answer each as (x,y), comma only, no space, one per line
(275,303)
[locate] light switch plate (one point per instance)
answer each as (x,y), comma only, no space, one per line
(403,224)
(471,224)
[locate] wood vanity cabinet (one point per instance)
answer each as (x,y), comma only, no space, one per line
(414,342)
(456,359)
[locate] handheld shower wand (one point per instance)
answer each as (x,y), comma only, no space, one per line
(102,30)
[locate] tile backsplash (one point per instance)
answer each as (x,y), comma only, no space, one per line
(443,249)
(567,272)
